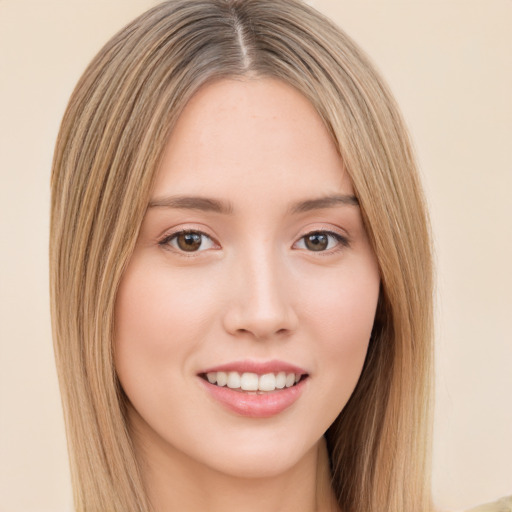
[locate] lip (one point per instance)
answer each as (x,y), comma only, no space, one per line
(253,405)
(259,367)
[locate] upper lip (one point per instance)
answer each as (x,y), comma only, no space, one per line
(259,367)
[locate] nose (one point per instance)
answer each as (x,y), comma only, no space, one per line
(260,301)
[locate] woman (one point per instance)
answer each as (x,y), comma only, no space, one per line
(241,270)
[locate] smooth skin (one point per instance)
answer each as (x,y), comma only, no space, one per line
(263,272)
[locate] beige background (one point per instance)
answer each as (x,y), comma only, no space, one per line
(450,65)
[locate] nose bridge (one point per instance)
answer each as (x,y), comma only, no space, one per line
(261,302)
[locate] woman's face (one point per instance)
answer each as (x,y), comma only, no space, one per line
(252,267)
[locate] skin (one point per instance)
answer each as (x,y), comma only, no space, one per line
(253,290)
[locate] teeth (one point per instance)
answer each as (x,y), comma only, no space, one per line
(290,380)
(222,378)
(280,380)
(249,382)
(233,380)
(267,382)
(252,382)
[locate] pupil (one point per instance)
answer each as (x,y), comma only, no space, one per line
(189,241)
(317,242)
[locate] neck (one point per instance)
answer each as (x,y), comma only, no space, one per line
(175,482)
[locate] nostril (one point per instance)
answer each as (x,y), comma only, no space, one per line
(259,315)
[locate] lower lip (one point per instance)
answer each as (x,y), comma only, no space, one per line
(262,405)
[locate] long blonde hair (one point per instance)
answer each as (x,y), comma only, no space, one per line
(110,142)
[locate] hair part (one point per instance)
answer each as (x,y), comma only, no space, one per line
(108,149)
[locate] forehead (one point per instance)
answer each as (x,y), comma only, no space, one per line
(250,135)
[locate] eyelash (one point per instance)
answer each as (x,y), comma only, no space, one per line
(342,241)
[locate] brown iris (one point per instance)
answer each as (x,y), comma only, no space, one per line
(189,241)
(316,241)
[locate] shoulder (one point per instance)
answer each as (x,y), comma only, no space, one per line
(503,505)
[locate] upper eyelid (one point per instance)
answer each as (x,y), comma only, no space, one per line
(329,231)
(336,232)
(342,239)
(169,233)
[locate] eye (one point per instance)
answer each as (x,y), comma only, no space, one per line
(320,241)
(188,241)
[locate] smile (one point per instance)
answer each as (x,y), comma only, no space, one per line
(255,390)
(252,382)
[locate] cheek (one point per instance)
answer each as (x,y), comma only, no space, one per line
(341,310)
(342,305)
(159,319)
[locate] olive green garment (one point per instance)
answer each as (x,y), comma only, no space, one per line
(503,505)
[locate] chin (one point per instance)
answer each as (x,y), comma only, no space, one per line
(258,463)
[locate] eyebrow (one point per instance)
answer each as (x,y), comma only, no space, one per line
(324,202)
(193,203)
(207,204)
